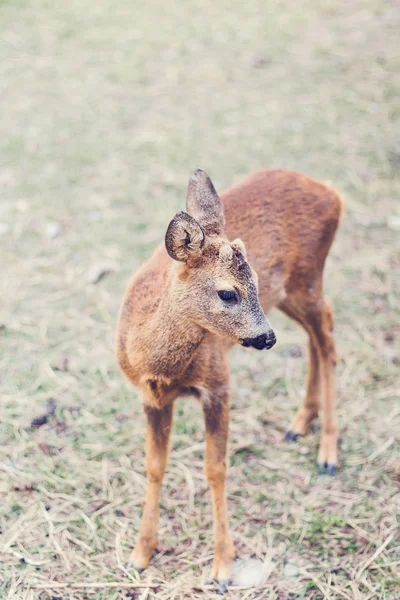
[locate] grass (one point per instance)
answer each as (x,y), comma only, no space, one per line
(105,110)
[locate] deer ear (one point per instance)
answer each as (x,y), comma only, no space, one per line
(204,203)
(239,245)
(184,238)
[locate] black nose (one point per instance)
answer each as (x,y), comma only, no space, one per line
(261,342)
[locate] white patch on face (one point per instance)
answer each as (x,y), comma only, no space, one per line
(226,253)
(224,284)
(239,245)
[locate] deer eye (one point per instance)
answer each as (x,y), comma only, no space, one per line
(227,295)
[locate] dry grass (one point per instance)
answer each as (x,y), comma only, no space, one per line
(105,109)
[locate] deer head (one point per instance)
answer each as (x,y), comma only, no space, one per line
(214,284)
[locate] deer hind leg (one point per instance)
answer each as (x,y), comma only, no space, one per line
(316,317)
(157,440)
(217,424)
(311,403)
(323,331)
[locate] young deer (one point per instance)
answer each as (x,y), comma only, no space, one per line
(198,294)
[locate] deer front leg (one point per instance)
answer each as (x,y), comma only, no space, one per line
(157,440)
(217,423)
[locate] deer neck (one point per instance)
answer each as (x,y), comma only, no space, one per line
(171,337)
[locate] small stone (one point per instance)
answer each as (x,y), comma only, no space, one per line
(291,569)
(99,272)
(393,222)
(251,572)
(53,229)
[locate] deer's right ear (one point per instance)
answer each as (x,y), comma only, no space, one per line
(184,238)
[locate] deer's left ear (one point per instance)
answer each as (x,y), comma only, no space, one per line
(204,203)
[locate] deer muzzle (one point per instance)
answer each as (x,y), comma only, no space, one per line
(265,341)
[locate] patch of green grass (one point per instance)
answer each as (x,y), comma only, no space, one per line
(321,524)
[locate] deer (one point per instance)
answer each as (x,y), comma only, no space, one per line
(199,294)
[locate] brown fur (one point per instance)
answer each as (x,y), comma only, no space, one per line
(174,331)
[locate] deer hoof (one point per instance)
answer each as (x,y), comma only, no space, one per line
(331,470)
(129,566)
(223,586)
(292,436)
(326,469)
